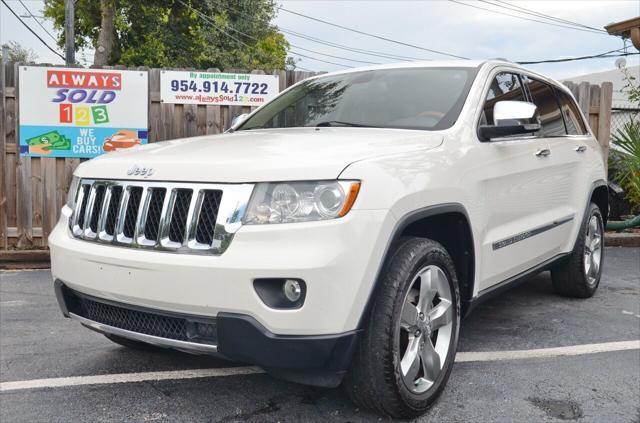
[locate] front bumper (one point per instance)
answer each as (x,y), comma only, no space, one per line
(235,337)
(338,260)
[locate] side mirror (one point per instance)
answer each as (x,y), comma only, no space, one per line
(238,119)
(510,118)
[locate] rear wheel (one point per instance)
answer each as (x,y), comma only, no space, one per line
(406,353)
(580,275)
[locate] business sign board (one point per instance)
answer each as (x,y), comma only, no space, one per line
(222,89)
(69,112)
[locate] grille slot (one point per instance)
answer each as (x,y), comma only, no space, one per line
(154,212)
(83,206)
(208,215)
(170,216)
(112,210)
(202,331)
(131,214)
(97,208)
(177,227)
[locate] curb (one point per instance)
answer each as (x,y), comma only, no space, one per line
(621,239)
(25,259)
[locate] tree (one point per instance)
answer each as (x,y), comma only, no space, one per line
(19,54)
(177,33)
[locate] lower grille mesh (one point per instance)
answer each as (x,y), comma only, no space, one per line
(148,323)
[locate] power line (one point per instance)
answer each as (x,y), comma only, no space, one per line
(306,49)
(37,21)
(212,23)
(328,43)
(523,18)
(319,60)
(335,57)
(542,15)
(348,48)
(31,30)
(303,48)
(604,55)
(372,35)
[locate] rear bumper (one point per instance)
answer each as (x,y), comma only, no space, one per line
(237,337)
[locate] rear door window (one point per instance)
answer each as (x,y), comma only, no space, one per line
(571,113)
(543,96)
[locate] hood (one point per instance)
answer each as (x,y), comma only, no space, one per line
(259,155)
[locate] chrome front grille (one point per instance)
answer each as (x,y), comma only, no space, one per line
(189,218)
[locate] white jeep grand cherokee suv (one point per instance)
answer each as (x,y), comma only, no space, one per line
(339,233)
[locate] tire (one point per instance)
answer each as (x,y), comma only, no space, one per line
(130,343)
(579,276)
(382,376)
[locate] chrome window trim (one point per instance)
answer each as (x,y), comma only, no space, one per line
(233,205)
(492,72)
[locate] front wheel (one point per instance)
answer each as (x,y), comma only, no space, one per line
(405,355)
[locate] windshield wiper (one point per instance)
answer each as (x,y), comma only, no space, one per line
(341,123)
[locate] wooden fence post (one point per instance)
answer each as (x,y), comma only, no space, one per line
(584,98)
(3,154)
(604,117)
(24,197)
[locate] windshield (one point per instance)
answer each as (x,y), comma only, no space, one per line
(409,98)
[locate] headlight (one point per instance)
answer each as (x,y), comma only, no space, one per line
(286,202)
(73,190)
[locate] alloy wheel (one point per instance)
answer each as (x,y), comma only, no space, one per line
(593,250)
(426,324)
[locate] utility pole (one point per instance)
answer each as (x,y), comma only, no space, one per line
(69,35)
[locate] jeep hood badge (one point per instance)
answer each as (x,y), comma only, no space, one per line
(136,170)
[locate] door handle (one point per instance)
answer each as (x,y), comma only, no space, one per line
(543,153)
(581,148)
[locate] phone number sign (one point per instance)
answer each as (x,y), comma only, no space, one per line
(68,112)
(222,89)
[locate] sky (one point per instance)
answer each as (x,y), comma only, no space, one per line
(441,25)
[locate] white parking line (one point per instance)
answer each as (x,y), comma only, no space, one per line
(13,303)
(462,357)
(126,377)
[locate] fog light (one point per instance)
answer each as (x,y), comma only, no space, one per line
(281,293)
(292,290)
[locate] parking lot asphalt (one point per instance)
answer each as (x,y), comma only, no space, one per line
(36,342)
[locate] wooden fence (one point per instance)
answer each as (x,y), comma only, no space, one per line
(595,102)
(33,189)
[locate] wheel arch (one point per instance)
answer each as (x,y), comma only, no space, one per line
(435,222)
(600,196)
